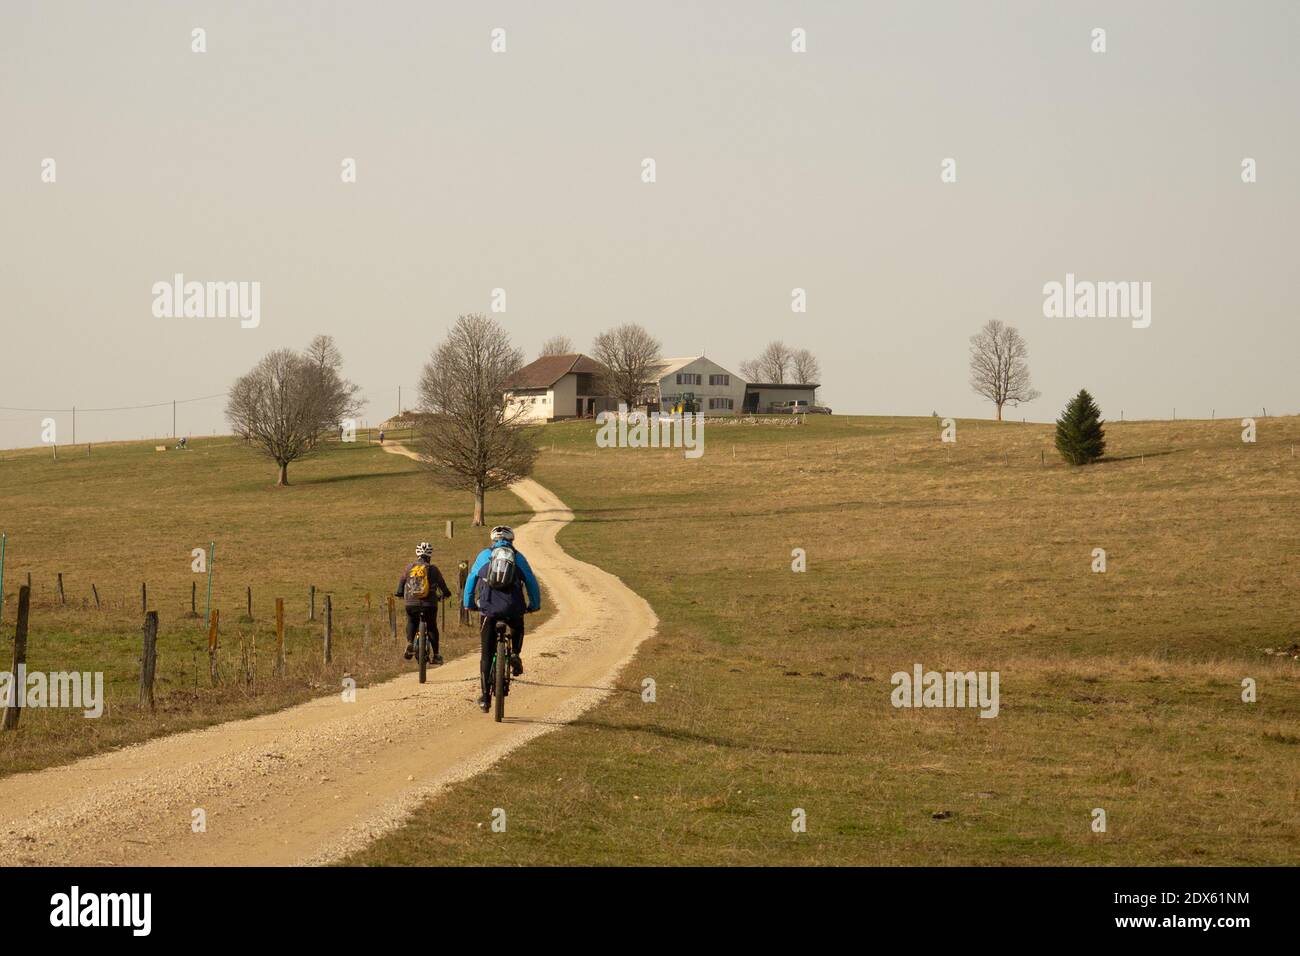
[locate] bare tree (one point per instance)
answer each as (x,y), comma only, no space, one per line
(807,369)
(772,365)
(337,398)
(630,355)
(472,440)
(274,407)
(556,345)
(290,400)
(323,353)
(999,366)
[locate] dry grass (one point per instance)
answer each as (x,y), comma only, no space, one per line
(348,524)
(1119,690)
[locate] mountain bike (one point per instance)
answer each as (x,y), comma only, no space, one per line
(422,648)
(500,670)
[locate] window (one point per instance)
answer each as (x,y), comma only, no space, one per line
(689,378)
(719,379)
(721,403)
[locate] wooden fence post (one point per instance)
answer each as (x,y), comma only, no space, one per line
(62,599)
(451,529)
(392,616)
(149,659)
(279,635)
(94,590)
(212,645)
(311,610)
(250,602)
(329,626)
(194,599)
(17,683)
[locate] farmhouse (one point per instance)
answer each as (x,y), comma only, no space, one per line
(694,384)
(762,397)
(556,386)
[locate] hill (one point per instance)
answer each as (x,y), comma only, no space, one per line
(1119,690)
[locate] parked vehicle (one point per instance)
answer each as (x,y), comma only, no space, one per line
(798,407)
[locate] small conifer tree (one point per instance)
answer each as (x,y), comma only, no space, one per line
(1079,436)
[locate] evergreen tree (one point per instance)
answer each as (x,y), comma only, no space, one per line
(1079,436)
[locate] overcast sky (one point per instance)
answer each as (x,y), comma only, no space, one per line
(775,170)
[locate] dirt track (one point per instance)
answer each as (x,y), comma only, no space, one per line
(313,782)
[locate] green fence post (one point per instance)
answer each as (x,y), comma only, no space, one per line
(3,538)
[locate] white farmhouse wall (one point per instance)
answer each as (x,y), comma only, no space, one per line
(703,367)
(537,403)
(564,397)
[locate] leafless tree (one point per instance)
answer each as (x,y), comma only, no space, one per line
(472,440)
(630,355)
(556,345)
(806,367)
(285,404)
(323,353)
(772,365)
(338,398)
(274,409)
(999,366)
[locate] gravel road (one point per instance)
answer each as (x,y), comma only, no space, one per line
(311,783)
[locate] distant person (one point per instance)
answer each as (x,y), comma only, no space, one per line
(381,436)
(421,586)
(496,586)
(183,443)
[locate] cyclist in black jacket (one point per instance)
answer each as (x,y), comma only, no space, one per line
(422,586)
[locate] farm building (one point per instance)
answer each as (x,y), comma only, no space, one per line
(695,384)
(761,397)
(557,386)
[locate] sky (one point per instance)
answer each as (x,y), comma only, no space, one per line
(522,170)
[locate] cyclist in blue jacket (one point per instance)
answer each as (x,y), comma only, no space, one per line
(501,586)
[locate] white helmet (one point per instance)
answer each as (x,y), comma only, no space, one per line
(502,533)
(423,550)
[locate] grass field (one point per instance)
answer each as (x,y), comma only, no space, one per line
(1119,690)
(348,524)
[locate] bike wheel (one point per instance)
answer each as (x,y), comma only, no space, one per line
(421,643)
(503,662)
